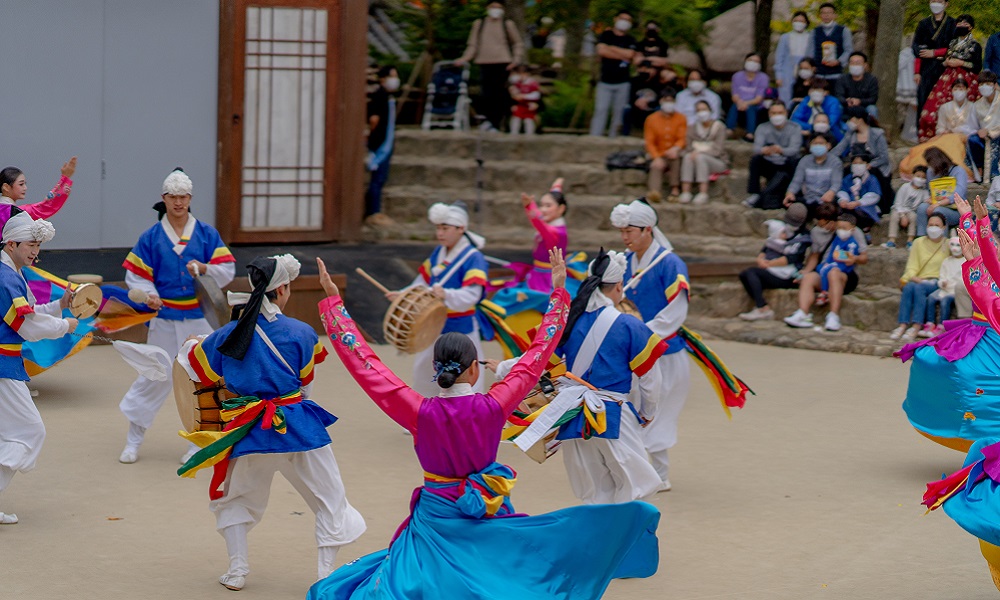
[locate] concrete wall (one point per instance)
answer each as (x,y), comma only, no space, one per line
(129,86)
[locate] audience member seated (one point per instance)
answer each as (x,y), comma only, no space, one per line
(923,267)
(821,124)
(910,196)
(993,197)
(665,133)
(958,115)
(697,89)
(863,130)
(945,179)
(644,100)
(705,154)
(779,261)
(776,151)
(803,81)
(858,87)
(748,90)
(988,115)
(837,248)
(817,176)
(963,60)
(949,280)
(819,102)
(860,193)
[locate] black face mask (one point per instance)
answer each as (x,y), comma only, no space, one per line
(962,31)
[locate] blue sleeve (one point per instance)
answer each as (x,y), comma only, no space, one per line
(834,110)
(801,115)
(961,180)
(845,185)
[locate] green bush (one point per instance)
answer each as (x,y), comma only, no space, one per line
(562,103)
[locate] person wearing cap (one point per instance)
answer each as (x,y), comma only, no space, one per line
(21,430)
(163,264)
(860,193)
(268,360)
(656,281)
(665,133)
(602,448)
(456,273)
(778,264)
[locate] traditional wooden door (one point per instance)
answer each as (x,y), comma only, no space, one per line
(288,136)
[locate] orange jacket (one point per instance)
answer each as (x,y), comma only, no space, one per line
(663,131)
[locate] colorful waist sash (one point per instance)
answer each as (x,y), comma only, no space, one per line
(480,495)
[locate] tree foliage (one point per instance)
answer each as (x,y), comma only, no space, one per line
(986,12)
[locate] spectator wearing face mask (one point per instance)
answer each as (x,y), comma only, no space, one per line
(778,263)
(821,124)
(792,48)
(748,90)
(652,47)
(617,50)
(645,90)
(705,154)
(985,143)
(665,133)
(832,44)
(696,90)
(776,149)
(949,280)
(803,81)
(930,44)
(381,138)
(858,87)
(908,199)
(860,193)
(817,176)
(819,102)
(945,179)
(962,62)
(496,46)
(864,135)
(923,267)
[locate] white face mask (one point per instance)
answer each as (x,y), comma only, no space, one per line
(806,73)
(852,125)
(955,247)
(859,170)
(623,25)
(703,116)
(696,86)
(844,234)
(798,26)
(934,232)
(667,107)
(778,120)
(986,89)
(856,70)
(751,66)
(391,84)
(937,7)
(515,79)
(821,127)
(817,96)
(918,182)
(959,95)
(495,13)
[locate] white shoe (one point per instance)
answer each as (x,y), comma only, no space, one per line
(8,519)
(911,333)
(665,486)
(832,322)
(685,197)
(751,200)
(129,455)
(233,582)
(799,319)
(758,314)
(897,332)
(187,455)
(700,198)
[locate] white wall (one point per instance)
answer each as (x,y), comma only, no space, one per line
(129,86)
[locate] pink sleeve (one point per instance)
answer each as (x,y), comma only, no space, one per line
(549,236)
(987,246)
(394,397)
(509,391)
(53,202)
(980,286)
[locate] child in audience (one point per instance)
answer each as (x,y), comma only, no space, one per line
(949,280)
(526,94)
(910,196)
(843,250)
(860,193)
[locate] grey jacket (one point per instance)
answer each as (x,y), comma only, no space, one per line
(788,137)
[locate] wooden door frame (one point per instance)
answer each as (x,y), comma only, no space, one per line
(343,182)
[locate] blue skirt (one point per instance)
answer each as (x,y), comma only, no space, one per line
(572,553)
(976,508)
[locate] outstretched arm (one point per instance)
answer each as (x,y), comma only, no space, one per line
(57,197)
(549,236)
(394,397)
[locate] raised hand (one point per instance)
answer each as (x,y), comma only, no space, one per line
(69,168)
(970,246)
(980,209)
(962,205)
(558,268)
(527,200)
(325,280)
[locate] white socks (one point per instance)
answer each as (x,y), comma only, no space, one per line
(327,556)
(660,463)
(135,435)
(238,548)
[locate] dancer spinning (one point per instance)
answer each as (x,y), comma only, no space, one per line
(463,538)
(268,359)
(14,187)
(456,273)
(548,219)
(656,282)
(21,428)
(163,264)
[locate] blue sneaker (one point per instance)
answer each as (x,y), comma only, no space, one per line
(909,245)
(889,244)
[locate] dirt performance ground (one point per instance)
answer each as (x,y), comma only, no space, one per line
(812,491)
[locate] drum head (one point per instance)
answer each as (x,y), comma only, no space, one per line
(212,301)
(86,300)
(414,320)
(187,403)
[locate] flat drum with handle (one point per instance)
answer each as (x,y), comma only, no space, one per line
(199,406)
(414,320)
(86,300)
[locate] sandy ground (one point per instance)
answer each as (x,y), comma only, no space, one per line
(811,492)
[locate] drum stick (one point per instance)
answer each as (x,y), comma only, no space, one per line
(497,261)
(138,296)
(372,280)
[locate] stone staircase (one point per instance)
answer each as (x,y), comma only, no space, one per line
(437,166)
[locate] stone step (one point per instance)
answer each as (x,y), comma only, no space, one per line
(495,146)
(776,333)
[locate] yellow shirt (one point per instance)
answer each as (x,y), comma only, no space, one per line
(925,259)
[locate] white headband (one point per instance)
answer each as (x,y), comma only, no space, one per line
(22,228)
(285,271)
(177,184)
(616,268)
(448,214)
(639,214)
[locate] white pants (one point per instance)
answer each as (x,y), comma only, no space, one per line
(423,369)
(314,475)
(144,399)
(603,471)
(661,434)
(21,430)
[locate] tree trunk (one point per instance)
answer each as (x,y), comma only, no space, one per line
(762,29)
(515,12)
(886,68)
(576,28)
(871,24)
